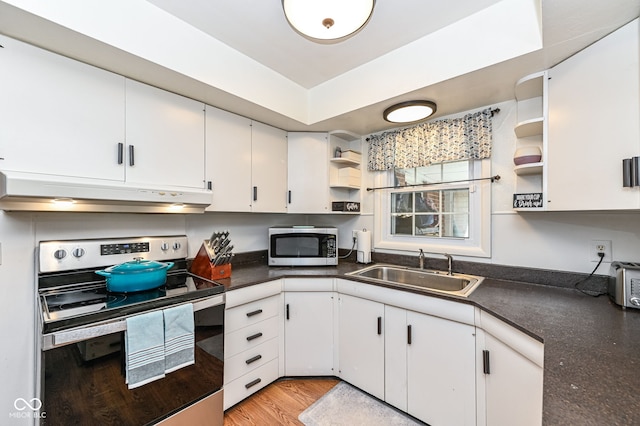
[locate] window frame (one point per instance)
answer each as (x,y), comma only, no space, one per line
(478,244)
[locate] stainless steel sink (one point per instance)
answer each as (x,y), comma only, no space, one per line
(439,281)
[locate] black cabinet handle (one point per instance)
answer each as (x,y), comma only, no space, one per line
(379,325)
(486,365)
(209,185)
(252,383)
(254,336)
(120,153)
(256,312)
(287,311)
(254,359)
(255,193)
(408,334)
(289,197)
(132,161)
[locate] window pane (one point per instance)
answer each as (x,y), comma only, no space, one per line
(455,171)
(402,202)
(455,225)
(402,224)
(455,201)
(429,174)
(427,201)
(402,177)
(428,224)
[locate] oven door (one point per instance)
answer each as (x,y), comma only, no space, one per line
(84,381)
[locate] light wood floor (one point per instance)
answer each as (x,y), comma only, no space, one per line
(280,403)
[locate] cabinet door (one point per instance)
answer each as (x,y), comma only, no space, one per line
(59,116)
(268,169)
(594,115)
(228,160)
(308,175)
(513,387)
(308,334)
(165,133)
(361,344)
(441,371)
(395,357)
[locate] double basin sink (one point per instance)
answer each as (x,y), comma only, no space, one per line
(438,281)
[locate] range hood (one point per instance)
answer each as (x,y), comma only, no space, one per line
(39,192)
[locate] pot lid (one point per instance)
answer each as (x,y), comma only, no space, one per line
(138,265)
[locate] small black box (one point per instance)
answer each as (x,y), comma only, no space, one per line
(345,206)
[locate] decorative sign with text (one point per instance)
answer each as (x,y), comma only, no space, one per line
(528,201)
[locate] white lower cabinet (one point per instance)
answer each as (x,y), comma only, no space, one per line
(308,333)
(251,340)
(510,375)
(443,362)
(361,344)
(430,367)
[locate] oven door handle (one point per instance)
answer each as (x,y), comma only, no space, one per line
(65,337)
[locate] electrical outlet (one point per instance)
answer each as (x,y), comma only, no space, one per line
(600,246)
(354,234)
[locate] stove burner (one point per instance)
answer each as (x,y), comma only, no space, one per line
(75,299)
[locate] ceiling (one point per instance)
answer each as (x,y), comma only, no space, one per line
(243,57)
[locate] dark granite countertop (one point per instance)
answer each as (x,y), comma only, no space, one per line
(592,346)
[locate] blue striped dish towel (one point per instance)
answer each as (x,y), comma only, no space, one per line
(179,340)
(144,349)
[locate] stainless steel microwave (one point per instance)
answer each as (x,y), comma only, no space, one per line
(303,246)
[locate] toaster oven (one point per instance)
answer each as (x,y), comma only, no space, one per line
(624,284)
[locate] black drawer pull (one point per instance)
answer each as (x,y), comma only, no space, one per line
(255,193)
(132,161)
(486,365)
(287,311)
(252,383)
(408,334)
(254,336)
(254,359)
(256,312)
(379,325)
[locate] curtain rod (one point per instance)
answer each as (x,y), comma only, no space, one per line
(492,179)
(493,112)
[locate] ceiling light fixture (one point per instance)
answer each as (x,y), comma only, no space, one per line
(410,111)
(327,21)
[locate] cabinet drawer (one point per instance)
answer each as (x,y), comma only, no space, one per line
(251,313)
(249,337)
(251,382)
(249,360)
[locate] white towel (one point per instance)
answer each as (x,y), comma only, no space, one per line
(144,349)
(179,340)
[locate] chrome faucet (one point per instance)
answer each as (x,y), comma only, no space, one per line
(421,259)
(450,260)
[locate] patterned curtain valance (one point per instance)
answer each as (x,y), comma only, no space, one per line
(465,138)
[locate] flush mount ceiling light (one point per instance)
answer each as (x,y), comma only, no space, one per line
(407,112)
(327,21)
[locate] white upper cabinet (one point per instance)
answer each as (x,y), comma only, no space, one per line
(268,169)
(308,173)
(165,137)
(59,116)
(228,160)
(246,163)
(594,123)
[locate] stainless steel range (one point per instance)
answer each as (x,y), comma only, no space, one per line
(83,328)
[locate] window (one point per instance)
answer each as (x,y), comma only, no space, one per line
(440,213)
(450,214)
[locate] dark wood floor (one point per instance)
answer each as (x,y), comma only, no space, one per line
(280,403)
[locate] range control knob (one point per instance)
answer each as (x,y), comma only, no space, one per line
(78,252)
(635,301)
(164,246)
(60,254)
(176,246)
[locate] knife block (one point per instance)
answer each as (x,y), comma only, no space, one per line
(203,267)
